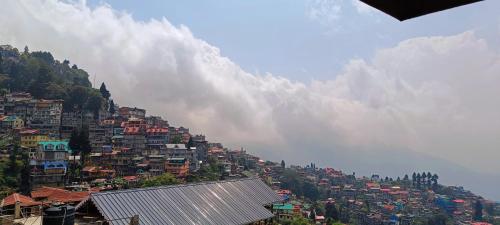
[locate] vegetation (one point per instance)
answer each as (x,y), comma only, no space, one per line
(164,179)
(14,173)
(44,77)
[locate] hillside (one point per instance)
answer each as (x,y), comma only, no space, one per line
(47,78)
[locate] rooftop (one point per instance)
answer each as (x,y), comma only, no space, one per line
(224,202)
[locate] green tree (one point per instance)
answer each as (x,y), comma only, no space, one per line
(283,164)
(176,140)
(85,147)
(94,104)
(104,91)
(112,109)
(331,211)
(478,211)
(299,221)
(164,179)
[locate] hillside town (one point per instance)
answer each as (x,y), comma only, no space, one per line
(128,146)
(55,156)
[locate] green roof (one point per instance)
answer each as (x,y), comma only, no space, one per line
(283,206)
(55,146)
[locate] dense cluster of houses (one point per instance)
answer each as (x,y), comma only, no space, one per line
(129,145)
(375,201)
(125,143)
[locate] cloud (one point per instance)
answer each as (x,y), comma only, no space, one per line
(324,11)
(361,7)
(333,13)
(427,103)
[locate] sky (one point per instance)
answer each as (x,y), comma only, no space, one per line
(327,81)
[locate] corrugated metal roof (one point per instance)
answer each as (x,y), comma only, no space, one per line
(225,202)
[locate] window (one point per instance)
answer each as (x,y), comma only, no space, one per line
(49,147)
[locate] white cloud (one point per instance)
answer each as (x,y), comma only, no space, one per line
(434,96)
(361,7)
(324,11)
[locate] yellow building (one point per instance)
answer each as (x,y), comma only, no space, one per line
(30,138)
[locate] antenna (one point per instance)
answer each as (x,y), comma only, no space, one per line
(93,84)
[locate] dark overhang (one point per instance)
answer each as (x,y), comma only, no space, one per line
(407,9)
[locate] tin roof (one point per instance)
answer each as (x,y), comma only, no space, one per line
(225,202)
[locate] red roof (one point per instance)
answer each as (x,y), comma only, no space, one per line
(131,130)
(59,195)
(24,200)
(157,130)
(460,201)
(31,132)
(130,178)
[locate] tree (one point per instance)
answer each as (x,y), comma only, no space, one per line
(435,178)
(176,140)
(331,211)
(85,147)
(312,215)
(74,142)
(112,109)
(26,50)
(283,164)
(419,180)
(299,221)
(414,179)
(478,211)
(104,92)
(405,178)
(164,179)
(94,104)
(424,181)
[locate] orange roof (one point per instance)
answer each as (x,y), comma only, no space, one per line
(89,169)
(24,200)
(59,195)
(45,192)
(130,178)
(131,130)
(157,130)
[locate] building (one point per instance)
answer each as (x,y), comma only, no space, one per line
(156,139)
(30,140)
(156,121)
(47,117)
(11,122)
(51,163)
(223,203)
(201,145)
(53,151)
(179,167)
(129,112)
(181,151)
(156,164)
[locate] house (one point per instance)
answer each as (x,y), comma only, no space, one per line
(283,211)
(47,117)
(179,167)
(134,139)
(181,151)
(129,112)
(19,205)
(156,139)
(57,195)
(224,203)
(50,164)
(30,140)
(11,122)
(156,164)
(53,151)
